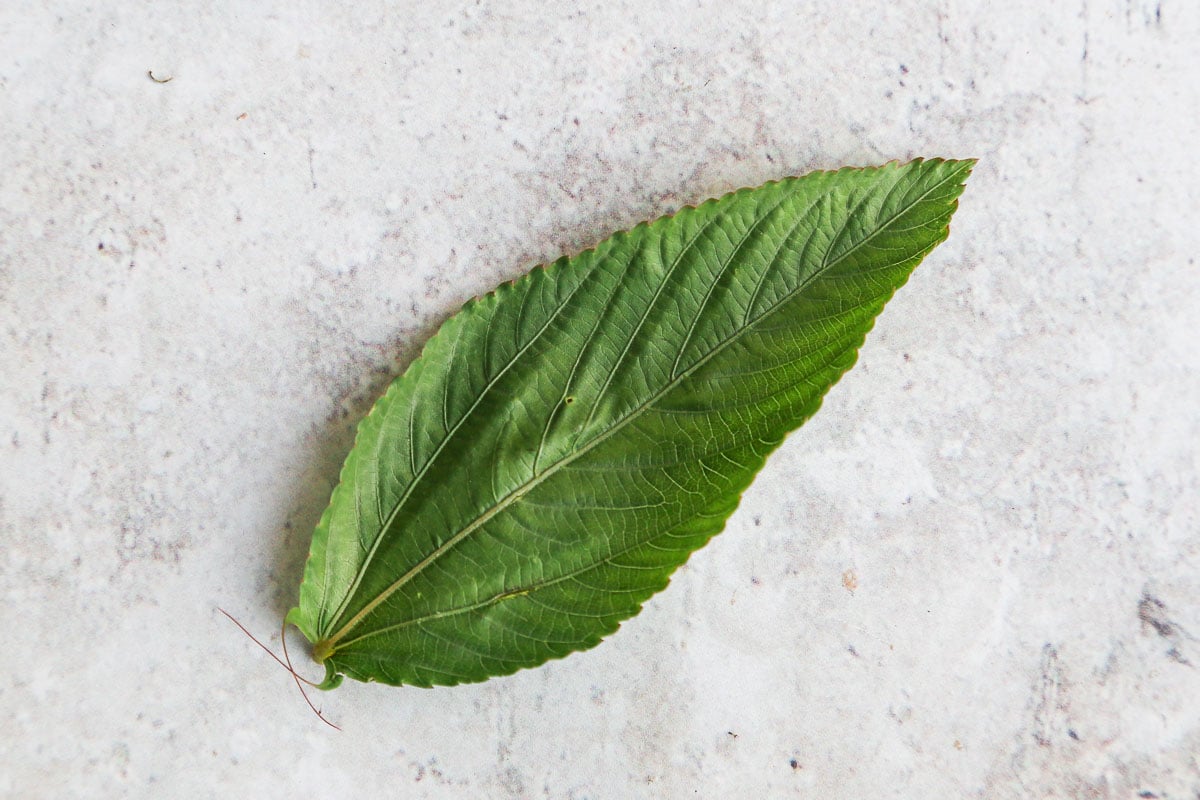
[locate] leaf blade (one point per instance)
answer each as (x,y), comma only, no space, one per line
(620,402)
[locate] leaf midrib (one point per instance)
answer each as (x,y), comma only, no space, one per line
(327,645)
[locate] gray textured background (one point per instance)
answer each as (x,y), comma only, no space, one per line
(974,574)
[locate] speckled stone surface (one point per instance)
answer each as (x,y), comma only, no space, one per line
(975,574)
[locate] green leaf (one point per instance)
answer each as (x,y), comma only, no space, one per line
(564,443)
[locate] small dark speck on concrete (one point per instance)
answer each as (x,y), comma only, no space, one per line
(1146,793)
(1071,732)
(1178,657)
(794,764)
(1152,612)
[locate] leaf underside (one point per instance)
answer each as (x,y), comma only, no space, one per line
(564,443)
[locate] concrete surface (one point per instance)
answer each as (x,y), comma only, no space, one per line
(975,574)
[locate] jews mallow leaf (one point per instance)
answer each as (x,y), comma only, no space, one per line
(565,442)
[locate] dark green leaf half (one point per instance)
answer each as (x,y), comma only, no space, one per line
(564,443)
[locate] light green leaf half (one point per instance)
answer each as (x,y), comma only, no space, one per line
(564,443)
